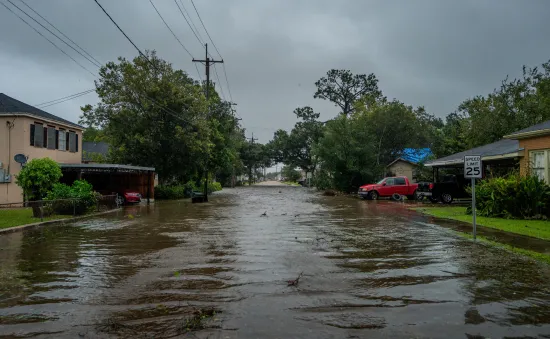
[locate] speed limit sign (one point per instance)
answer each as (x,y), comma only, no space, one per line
(472,167)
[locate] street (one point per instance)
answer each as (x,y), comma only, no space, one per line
(266,262)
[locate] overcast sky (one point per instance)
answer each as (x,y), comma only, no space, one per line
(433,53)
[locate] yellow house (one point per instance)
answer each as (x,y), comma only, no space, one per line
(402,168)
(34,133)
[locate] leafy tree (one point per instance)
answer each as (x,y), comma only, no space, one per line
(93,134)
(343,88)
(38,177)
(152,115)
(290,173)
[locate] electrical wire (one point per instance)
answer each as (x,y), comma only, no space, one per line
(51,42)
(196,36)
(67,98)
(121,31)
(55,35)
(191,19)
(74,43)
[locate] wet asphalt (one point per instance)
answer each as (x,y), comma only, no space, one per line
(230,268)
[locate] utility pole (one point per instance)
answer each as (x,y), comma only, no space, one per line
(237,119)
(207,62)
(250,169)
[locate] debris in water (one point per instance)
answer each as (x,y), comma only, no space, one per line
(295,281)
(264,214)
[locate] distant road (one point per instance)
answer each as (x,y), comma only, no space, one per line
(270,183)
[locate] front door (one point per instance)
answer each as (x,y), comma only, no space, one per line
(388,188)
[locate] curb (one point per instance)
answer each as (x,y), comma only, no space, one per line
(50,222)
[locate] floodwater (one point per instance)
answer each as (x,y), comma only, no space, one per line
(367,269)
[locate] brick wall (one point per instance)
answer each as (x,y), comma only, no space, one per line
(532,144)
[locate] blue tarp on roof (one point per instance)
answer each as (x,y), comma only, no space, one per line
(416,155)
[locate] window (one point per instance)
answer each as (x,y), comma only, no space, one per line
(400,181)
(72,141)
(390,182)
(50,137)
(62,140)
(539,164)
(37,134)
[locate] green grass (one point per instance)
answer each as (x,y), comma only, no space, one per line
(533,228)
(22,216)
(535,255)
(291,183)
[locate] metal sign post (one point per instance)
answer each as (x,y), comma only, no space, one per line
(473,170)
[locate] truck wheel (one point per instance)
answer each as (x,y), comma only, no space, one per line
(446,198)
(413,196)
(373,195)
(396,197)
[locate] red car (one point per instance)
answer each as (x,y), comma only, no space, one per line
(387,187)
(128,197)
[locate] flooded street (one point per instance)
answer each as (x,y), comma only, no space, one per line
(222,270)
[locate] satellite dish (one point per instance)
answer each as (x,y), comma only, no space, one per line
(20,158)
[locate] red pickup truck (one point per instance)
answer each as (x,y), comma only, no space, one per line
(387,187)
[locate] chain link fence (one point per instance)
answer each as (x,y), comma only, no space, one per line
(46,208)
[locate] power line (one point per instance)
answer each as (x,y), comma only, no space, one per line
(82,49)
(191,19)
(203,26)
(216,48)
(67,98)
(196,36)
(176,37)
(51,42)
(170,29)
(217,77)
(121,31)
(55,35)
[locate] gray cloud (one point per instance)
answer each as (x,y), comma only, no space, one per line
(434,53)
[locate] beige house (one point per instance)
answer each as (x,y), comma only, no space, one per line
(34,133)
(401,168)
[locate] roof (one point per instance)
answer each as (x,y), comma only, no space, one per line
(89,147)
(10,106)
(532,131)
(404,160)
(501,149)
(106,167)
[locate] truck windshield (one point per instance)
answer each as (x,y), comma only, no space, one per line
(381,181)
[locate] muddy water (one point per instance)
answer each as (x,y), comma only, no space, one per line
(221,270)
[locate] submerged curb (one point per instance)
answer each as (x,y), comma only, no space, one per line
(50,222)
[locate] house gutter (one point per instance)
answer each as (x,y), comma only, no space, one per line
(55,122)
(532,134)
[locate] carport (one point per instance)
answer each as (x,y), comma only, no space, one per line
(108,178)
(498,158)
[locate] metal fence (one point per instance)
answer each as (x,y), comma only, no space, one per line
(46,208)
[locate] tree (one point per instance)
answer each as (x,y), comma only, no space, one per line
(343,88)
(37,177)
(152,115)
(290,173)
(295,149)
(93,134)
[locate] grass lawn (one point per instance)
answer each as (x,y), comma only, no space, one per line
(291,183)
(533,228)
(22,216)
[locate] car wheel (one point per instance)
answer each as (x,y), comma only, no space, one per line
(373,195)
(119,200)
(446,198)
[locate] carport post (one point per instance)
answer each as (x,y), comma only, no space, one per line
(148,187)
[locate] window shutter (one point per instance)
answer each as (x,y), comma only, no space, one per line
(51,137)
(32,134)
(66,141)
(76,142)
(38,135)
(56,139)
(45,135)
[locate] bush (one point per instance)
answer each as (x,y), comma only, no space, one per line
(38,177)
(77,199)
(174,192)
(513,196)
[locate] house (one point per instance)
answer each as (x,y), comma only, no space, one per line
(33,133)
(527,150)
(406,165)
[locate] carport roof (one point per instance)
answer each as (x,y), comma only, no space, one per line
(108,167)
(502,149)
